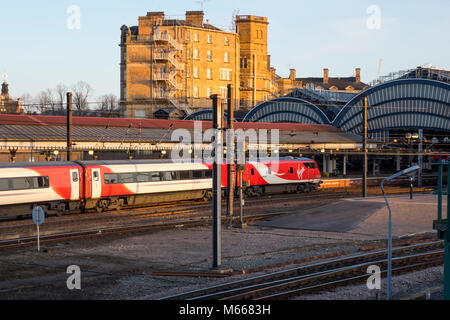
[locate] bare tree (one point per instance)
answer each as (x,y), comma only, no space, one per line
(27,102)
(46,102)
(81,91)
(109,105)
(61,91)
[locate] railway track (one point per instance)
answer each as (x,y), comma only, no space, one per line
(135,228)
(320,276)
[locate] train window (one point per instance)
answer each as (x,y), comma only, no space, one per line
(208,174)
(4,184)
(291,170)
(42,182)
(310,165)
(111,178)
(185,175)
(197,174)
(75,176)
(168,176)
(95,175)
(252,171)
(143,177)
(126,178)
(155,176)
(21,183)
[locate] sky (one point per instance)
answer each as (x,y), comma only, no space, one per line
(42,43)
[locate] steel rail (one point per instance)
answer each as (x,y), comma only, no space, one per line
(323,266)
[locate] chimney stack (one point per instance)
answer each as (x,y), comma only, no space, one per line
(325,76)
(358,75)
(292,74)
(195,17)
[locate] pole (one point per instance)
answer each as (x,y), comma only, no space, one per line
(389,272)
(38,240)
(446,241)
(69,126)
(420,158)
(230,153)
(344,169)
(364,177)
(254,80)
(217,186)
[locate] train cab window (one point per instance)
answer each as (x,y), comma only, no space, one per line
(111,178)
(75,176)
(291,170)
(4,184)
(252,171)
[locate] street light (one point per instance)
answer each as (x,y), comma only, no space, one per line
(408,171)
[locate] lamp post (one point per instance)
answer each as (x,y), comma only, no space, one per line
(409,170)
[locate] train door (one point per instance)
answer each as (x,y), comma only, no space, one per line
(74,184)
(311,170)
(96,185)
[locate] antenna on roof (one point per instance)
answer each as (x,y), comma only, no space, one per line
(202,2)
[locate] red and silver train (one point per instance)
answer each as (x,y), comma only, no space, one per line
(103,185)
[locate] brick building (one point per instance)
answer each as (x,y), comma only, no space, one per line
(7,104)
(175,63)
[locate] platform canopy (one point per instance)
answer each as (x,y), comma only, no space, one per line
(399,104)
(287,109)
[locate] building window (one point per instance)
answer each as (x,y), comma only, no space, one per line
(209,55)
(208,74)
(188,53)
(226,57)
(195,93)
(196,54)
(223,92)
(196,37)
(208,92)
(209,38)
(244,63)
(227,41)
(188,72)
(195,73)
(188,36)
(225,74)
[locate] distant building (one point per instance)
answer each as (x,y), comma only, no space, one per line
(342,84)
(175,63)
(256,76)
(7,104)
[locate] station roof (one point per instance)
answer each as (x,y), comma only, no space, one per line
(44,132)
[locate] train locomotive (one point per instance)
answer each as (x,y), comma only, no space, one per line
(60,187)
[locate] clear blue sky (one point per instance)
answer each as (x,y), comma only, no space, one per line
(38,51)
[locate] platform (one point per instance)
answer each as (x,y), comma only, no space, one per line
(364,216)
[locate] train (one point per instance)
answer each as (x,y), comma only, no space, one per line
(61,187)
